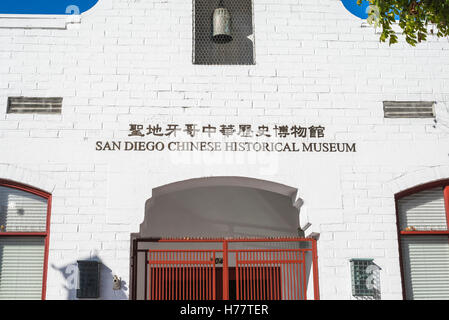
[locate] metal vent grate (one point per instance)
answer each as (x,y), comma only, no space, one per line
(409,109)
(217,42)
(34,105)
(365,279)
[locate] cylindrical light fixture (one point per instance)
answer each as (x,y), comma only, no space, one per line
(221,32)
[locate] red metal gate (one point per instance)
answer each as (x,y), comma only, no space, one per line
(182,275)
(261,273)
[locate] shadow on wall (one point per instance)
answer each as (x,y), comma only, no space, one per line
(70,272)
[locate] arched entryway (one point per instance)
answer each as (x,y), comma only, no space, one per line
(224,235)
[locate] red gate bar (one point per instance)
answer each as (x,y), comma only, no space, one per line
(259,274)
(225,271)
(316,283)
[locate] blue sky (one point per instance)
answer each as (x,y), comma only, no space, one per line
(59,6)
(359,11)
(43,6)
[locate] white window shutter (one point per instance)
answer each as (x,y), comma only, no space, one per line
(22,211)
(426,267)
(424,211)
(21,268)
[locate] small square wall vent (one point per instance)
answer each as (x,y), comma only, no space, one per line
(34,105)
(409,109)
(88,280)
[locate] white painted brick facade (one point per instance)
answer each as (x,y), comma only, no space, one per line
(131,62)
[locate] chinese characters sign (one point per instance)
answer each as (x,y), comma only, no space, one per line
(226,137)
(241,130)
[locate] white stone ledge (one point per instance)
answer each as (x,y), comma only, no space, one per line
(23,21)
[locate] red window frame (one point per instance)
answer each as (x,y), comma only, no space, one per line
(45,235)
(444,184)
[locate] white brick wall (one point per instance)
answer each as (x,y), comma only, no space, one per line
(131,62)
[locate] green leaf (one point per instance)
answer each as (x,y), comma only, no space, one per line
(414,17)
